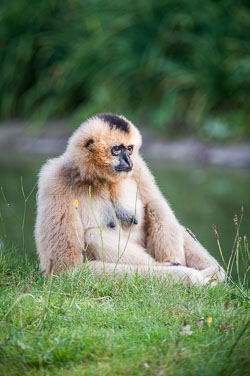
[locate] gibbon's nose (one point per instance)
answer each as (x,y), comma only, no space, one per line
(126,162)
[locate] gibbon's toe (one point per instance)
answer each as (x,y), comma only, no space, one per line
(174,263)
(171,261)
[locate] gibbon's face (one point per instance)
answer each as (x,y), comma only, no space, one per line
(108,145)
(122,161)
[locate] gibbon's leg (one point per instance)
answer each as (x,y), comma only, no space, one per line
(197,257)
(115,250)
(164,233)
(57,233)
(188,276)
(134,259)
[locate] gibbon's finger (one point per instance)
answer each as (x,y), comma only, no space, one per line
(134,221)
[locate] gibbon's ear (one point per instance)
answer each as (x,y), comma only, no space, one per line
(89,143)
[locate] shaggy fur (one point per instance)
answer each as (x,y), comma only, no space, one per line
(147,238)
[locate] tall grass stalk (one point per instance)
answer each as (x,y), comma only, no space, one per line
(132,223)
(1,217)
(46,306)
(236,242)
(15,303)
(219,246)
(99,228)
(239,259)
(26,198)
(83,247)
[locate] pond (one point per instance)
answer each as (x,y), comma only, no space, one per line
(200,196)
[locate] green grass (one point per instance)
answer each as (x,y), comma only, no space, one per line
(80,324)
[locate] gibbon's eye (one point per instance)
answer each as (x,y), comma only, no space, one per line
(89,142)
(116,150)
(130,149)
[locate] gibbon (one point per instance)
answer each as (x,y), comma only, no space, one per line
(98,203)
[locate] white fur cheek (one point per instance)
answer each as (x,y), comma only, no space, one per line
(115,162)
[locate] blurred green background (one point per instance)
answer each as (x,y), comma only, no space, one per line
(178,66)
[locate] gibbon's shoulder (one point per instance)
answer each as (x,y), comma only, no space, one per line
(58,173)
(49,169)
(50,173)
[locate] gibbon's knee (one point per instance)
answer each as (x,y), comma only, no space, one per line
(198,257)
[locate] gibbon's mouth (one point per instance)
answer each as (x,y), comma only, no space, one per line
(123,169)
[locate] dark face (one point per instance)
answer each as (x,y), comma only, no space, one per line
(123,161)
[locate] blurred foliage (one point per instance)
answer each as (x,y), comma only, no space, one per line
(175,64)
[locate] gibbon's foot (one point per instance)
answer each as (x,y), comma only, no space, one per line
(189,276)
(197,278)
(215,274)
(211,276)
(174,263)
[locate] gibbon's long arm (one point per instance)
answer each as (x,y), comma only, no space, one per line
(58,245)
(165,242)
(115,249)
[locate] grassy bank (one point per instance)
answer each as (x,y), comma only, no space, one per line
(78,324)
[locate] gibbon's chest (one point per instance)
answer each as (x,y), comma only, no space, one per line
(106,209)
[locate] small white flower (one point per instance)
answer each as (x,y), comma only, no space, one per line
(186,330)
